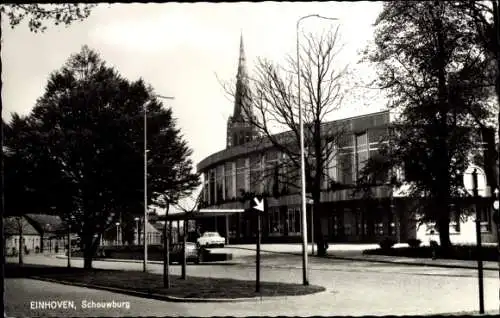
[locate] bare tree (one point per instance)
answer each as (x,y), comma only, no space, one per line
(272,99)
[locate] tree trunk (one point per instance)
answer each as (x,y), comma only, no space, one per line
(89,249)
(442,203)
(21,238)
(321,244)
(166,252)
(443,225)
(41,242)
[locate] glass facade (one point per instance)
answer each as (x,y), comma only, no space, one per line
(229,175)
(219,183)
(293,221)
(256,180)
(361,153)
(211,186)
(275,222)
(241,176)
(270,173)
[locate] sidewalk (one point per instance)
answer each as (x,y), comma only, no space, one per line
(355,252)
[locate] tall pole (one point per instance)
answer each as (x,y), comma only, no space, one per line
(184,239)
(478,237)
(497,223)
(69,245)
(312,228)
(117,231)
(145,261)
(305,280)
(257,261)
(138,242)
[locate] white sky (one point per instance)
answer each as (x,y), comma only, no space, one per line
(181,49)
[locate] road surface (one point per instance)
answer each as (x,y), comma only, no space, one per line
(354,288)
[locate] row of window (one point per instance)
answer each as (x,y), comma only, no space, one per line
(274,172)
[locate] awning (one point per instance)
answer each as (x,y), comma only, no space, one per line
(202,213)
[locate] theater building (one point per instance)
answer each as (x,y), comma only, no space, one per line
(345,214)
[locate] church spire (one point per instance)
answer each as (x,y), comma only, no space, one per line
(242,108)
(239,126)
(242,68)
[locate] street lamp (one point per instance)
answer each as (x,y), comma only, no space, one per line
(144,106)
(117,231)
(302,159)
(137,229)
(72,218)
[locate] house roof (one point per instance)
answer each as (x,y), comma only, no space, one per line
(158,226)
(152,228)
(12,227)
(46,223)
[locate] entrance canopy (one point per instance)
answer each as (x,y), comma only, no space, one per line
(202,213)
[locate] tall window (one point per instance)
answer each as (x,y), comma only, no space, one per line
(256,173)
(345,166)
(205,187)
(271,162)
(219,179)
(361,153)
(240,175)
(284,174)
(330,166)
(229,189)
(211,186)
(293,221)
(275,222)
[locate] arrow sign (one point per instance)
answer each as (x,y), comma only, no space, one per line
(259,204)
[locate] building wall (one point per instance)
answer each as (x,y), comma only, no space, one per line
(30,241)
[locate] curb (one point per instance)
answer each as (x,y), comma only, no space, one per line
(489,268)
(123,260)
(172,298)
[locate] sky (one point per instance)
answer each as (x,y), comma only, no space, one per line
(182,50)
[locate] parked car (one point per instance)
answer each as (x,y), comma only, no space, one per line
(209,239)
(192,253)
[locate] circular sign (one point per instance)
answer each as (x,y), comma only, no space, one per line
(481,180)
(496,205)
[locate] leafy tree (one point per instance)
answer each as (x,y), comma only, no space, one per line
(273,94)
(37,15)
(89,128)
(433,71)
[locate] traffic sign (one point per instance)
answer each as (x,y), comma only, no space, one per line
(481,181)
(496,205)
(259,204)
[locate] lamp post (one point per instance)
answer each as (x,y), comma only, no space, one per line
(117,231)
(145,262)
(137,229)
(496,207)
(302,159)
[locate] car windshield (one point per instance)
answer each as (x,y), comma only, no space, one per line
(211,234)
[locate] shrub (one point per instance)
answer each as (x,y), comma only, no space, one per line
(414,243)
(387,243)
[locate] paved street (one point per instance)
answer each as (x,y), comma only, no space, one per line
(354,288)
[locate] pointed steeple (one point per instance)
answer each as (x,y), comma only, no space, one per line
(241,102)
(239,126)
(242,65)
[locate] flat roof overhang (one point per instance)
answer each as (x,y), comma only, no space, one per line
(202,213)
